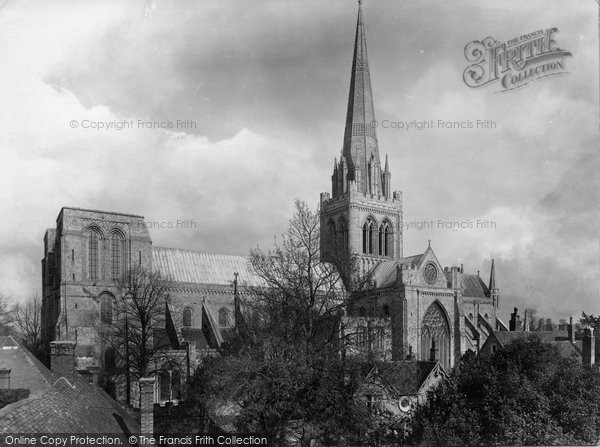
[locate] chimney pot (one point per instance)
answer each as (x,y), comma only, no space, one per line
(62,358)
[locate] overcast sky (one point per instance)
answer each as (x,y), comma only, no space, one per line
(266,83)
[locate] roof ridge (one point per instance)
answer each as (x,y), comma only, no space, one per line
(198,251)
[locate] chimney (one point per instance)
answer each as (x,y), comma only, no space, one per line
(147,405)
(512,324)
(571,330)
(526,322)
(562,325)
(62,358)
(588,347)
(4,379)
(433,352)
(540,324)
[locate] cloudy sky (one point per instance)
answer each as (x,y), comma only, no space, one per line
(266,84)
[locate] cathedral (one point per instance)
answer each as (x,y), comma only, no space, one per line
(434,313)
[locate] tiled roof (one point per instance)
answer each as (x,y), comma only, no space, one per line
(188,266)
(559,339)
(570,349)
(194,335)
(67,408)
(472,285)
(26,370)
(56,405)
(384,274)
(405,378)
(505,337)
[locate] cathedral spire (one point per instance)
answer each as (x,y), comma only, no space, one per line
(360,140)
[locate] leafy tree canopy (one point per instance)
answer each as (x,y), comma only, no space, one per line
(525,394)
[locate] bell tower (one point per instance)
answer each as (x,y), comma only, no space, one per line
(362,214)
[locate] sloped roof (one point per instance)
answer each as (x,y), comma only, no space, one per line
(67,408)
(26,370)
(188,266)
(384,273)
(57,405)
(559,339)
(569,349)
(194,335)
(405,377)
(505,337)
(472,285)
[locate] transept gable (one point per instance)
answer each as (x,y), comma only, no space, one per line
(429,272)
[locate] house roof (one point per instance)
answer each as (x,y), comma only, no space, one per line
(505,337)
(559,339)
(188,266)
(26,370)
(57,404)
(405,378)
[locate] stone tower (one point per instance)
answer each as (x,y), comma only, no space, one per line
(362,214)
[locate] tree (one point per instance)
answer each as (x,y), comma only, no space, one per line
(301,294)
(136,331)
(27,324)
(590,320)
(287,377)
(525,394)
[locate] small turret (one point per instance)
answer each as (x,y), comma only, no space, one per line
(386,179)
(494,292)
(334,179)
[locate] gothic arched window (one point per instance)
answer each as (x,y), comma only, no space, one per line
(93,253)
(116,255)
(187,316)
(165,385)
(110,359)
(176,384)
(343,234)
(385,239)
(223,317)
(170,383)
(435,334)
(369,230)
(331,235)
(106,308)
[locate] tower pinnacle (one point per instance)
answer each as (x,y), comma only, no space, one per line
(492,285)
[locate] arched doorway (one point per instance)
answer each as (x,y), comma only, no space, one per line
(435,331)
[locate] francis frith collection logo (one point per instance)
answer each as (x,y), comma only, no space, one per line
(516,62)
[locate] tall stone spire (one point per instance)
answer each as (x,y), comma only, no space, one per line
(360,147)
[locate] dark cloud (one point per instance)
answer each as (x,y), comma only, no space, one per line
(267,84)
